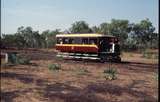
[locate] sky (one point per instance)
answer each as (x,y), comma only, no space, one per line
(61,14)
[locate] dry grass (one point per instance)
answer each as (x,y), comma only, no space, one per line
(135,81)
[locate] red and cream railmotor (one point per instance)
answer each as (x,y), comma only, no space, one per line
(89,46)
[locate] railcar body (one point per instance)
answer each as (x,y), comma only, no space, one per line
(104,46)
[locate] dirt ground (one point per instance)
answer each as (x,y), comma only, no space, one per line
(136,80)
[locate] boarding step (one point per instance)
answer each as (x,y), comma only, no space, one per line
(78,56)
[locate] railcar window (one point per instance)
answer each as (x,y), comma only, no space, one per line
(65,40)
(85,41)
(71,41)
(77,40)
(92,41)
(59,41)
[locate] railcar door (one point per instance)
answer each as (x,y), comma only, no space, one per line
(104,45)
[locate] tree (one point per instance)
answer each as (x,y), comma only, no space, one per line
(50,37)
(120,29)
(8,40)
(131,35)
(30,38)
(154,40)
(144,33)
(104,28)
(95,29)
(80,27)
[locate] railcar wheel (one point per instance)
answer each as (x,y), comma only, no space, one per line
(103,59)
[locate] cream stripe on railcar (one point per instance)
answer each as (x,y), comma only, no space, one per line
(83,35)
(78,45)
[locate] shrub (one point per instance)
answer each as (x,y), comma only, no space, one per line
(54,66)
(147,54)
(156,76)
(110,74)
(23,60)
(14,59)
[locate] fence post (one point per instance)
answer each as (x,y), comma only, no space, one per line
(6,57)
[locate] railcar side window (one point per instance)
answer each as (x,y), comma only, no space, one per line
(71,41)
(77,40)
(65,40)
(85,41)
(93,41)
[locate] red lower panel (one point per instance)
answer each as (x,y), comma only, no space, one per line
(77,49)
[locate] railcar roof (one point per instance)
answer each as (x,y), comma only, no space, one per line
(84,35)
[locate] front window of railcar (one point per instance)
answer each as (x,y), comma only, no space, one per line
(59,41)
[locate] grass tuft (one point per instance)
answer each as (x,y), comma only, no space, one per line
(110,74)
(54,66)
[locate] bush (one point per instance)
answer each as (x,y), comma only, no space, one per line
(110,74)
(23,60)
(156,76)
(54,66)
(14,58)
(147,54)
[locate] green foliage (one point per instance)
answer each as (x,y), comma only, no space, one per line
(80,27)
(110,74)
(156,76)
(27,38)
(132,36)
(143,33)
(23,60)
(9,40)
(54,67)
(96,29)
(50,37)
(13,58)
(105,28)
(120,29)
(130,44)
(149,55)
